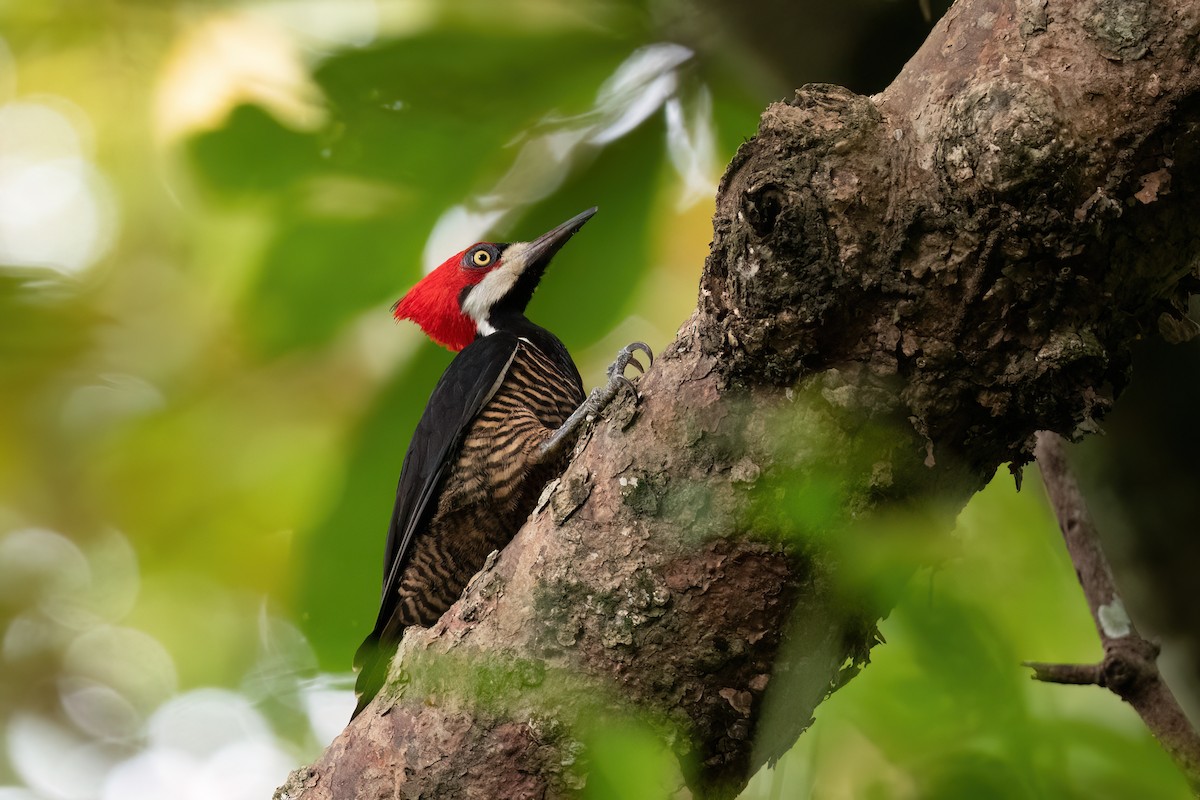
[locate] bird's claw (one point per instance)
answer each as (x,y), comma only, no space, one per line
(627,358)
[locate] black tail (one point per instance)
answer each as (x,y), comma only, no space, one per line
(372,660)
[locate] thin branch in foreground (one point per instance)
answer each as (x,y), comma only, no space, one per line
(1129,668)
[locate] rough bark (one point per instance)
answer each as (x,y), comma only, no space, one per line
(902,289)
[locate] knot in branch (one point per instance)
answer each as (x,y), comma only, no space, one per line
(1128,665)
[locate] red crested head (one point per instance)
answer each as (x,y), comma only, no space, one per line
(483,288)
(435,302)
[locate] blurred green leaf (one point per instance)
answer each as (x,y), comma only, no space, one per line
(946,710)
(431,111)
(340,563)
(627,761)
(319,273)
(253,152)
(975,775)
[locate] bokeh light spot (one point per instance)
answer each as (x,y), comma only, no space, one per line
(35,562)
(133,663)
(53,760)
(203,721)
(56,210)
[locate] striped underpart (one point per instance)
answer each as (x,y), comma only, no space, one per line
(491,488)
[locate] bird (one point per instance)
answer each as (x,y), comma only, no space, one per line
(499,425)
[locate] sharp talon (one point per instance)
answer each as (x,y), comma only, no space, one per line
(645,348)
(626,358)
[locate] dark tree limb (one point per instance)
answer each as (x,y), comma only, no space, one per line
(1129,668)
(902,290)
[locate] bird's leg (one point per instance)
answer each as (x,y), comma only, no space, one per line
(601,396)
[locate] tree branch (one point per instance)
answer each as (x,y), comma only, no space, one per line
(902,289)
(1129,668)
(1077,674)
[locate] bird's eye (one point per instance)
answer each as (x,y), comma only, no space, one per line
(481,258)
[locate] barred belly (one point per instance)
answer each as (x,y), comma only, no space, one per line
(491,488)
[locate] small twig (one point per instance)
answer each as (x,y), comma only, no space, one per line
(1129,668)
(1080,674)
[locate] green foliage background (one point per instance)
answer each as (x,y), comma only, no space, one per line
(202,425)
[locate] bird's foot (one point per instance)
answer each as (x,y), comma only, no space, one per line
(626,358)
(598,400)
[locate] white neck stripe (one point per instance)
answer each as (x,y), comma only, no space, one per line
(494,287)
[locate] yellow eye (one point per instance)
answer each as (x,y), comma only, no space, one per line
(481,258)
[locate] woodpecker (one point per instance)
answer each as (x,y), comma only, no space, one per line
(498,426)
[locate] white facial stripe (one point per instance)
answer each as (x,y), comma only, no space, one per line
(495,285)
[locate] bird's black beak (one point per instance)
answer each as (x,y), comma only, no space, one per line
(543,248)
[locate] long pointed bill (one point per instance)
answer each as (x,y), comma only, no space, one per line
(542,249)
(510,286)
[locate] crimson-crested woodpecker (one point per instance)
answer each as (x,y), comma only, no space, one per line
(499,424)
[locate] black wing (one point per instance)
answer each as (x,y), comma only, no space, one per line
(464,389)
